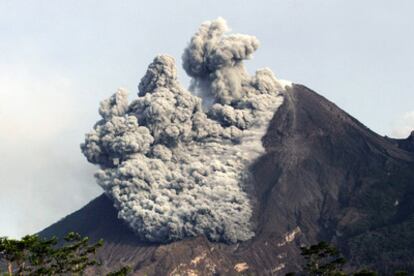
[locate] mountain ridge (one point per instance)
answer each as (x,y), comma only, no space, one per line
(324,176)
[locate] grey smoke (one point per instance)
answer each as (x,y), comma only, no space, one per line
(173,168)
(214,60)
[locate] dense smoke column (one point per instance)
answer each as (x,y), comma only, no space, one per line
(214,60)
(173,168)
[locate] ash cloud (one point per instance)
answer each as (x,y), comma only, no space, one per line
(214,60)
(175,162)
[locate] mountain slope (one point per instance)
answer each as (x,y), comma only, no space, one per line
(336,180)
(324,176)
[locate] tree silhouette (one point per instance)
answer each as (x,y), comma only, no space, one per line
(323,259)
(33,255)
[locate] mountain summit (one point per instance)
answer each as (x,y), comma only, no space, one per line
(323,176)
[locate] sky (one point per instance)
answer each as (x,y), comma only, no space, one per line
(59,59)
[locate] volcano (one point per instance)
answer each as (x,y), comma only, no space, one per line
(323,176)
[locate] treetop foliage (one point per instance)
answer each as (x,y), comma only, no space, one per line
(33,255)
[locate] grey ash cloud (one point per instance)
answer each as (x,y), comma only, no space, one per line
(176,162)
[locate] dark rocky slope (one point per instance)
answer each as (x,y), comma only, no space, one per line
(324,176)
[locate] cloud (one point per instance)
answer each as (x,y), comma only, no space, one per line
(25,104)
(173,168)
(214,59)
(39,164)
(404,126)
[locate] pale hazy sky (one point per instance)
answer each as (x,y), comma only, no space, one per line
(58,59)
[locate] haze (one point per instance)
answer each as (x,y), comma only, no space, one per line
(59,59)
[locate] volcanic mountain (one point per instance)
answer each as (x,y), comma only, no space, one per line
(324,176)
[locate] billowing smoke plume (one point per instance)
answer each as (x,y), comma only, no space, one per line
(173,167)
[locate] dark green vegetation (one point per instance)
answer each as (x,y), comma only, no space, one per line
(33,255)
(324,259)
